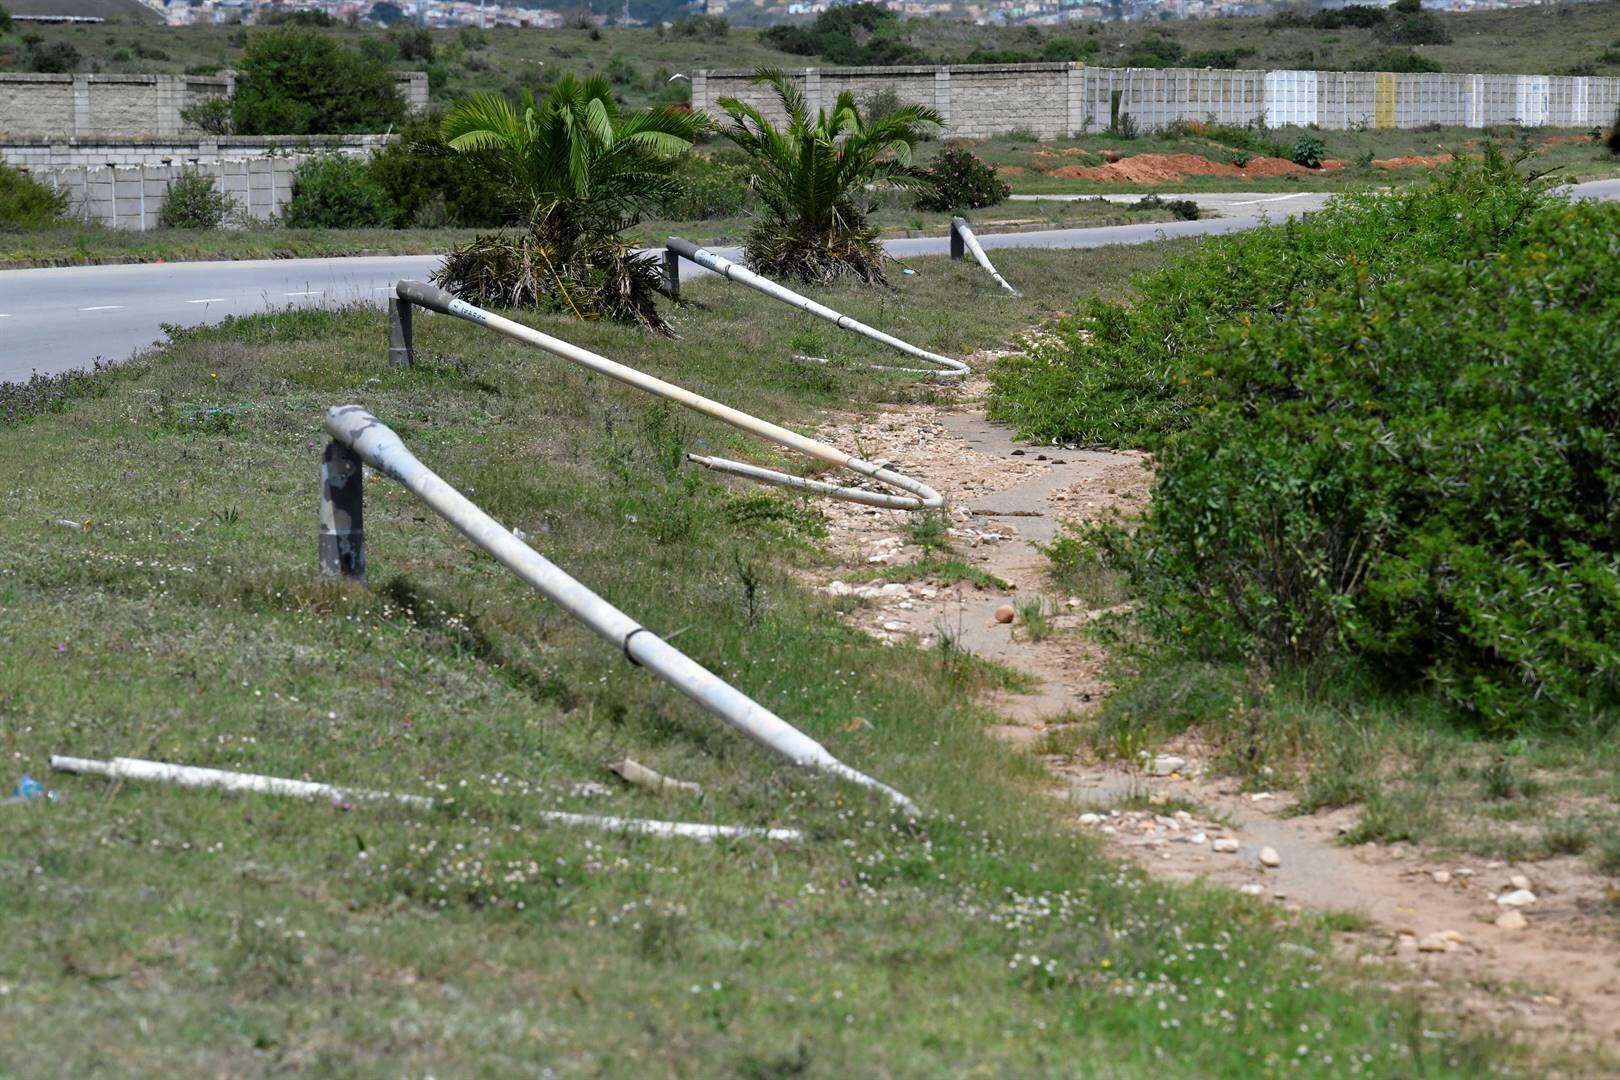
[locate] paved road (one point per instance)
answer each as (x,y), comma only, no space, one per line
(59,319)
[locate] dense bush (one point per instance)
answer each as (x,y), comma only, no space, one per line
(1157,50)
(293,81)
(962,181)
(335,191)
(586,276)
(25,203)
(860,34)
(1405,456)
(212,115)
(709,188)
(428,184)
(1180,209)
(1613,140)
(700,26)
(53,57)
(193,202)
(1401,60)
(1408,24)
(1307,151)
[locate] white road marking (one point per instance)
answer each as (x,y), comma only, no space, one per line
(4,316)
(306,292)
(104,307)
(1276,198)
(208,300)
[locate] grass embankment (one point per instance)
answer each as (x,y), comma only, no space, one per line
(92,246)
(1380,555)
(251,935)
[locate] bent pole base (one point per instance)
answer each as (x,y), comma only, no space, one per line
(916,494)
(949,368)
(962,237)
(380,447)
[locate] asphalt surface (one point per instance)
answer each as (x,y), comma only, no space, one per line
(58,319)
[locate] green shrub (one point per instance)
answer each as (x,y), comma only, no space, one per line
(1410,466)
(1401,60)
(25,203)
(1408,24)
(192,202)
(1307,151)
(962,181)
(212,115)
(335,191)
(1130,374)
(294,81)
(53,58)
(1613,141)
(708,189)
(426,183)
(700,26)
(1181,209)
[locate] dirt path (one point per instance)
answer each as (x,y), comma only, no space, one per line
(1557,975)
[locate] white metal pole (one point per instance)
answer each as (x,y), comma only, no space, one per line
(960,227)
(920,497)
(707,259)
(225,780)
(378,446)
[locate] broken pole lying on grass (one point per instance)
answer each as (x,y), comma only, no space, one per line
(919,495)
(952,369)
(962,238)
(192,776)
(378,446)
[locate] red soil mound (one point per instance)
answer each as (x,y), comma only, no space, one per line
(1157,168)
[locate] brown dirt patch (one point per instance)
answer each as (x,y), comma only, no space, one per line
(1157,168)
(1011,170)
(1413,161)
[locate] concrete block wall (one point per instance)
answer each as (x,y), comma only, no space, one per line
(132,198)
(76,106)
(981,100)
(45,154)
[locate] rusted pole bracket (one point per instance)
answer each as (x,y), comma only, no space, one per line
(401,351)
(343,536)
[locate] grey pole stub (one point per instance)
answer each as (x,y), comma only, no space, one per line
(401,351)
(672,273)
(342,534)
(958,248)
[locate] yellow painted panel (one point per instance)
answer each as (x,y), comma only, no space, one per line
(1384,100)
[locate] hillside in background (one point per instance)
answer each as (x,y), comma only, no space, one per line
(126,10)
(1573,39)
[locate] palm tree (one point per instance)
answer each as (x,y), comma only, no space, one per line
(578,172)
(812,176)
(575,162)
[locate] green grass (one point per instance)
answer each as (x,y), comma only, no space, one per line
(160,929)
(1415,769)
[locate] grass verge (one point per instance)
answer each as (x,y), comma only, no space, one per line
(250,935)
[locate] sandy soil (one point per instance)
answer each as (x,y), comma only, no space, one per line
(1430,922)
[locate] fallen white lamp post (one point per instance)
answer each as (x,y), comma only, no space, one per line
(919,495)
(226,780)
(354,429)
(952,369)
(962,237)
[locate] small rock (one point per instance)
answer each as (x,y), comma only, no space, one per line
(1518,881)
(1165,764)
(893,626)
(1225,845)
(1512,919)
(1269,857)
(1198,838)
(1251,890)
(1005,613)
(1435,943)
(1517,898)
(1441,877)
(1090,819)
